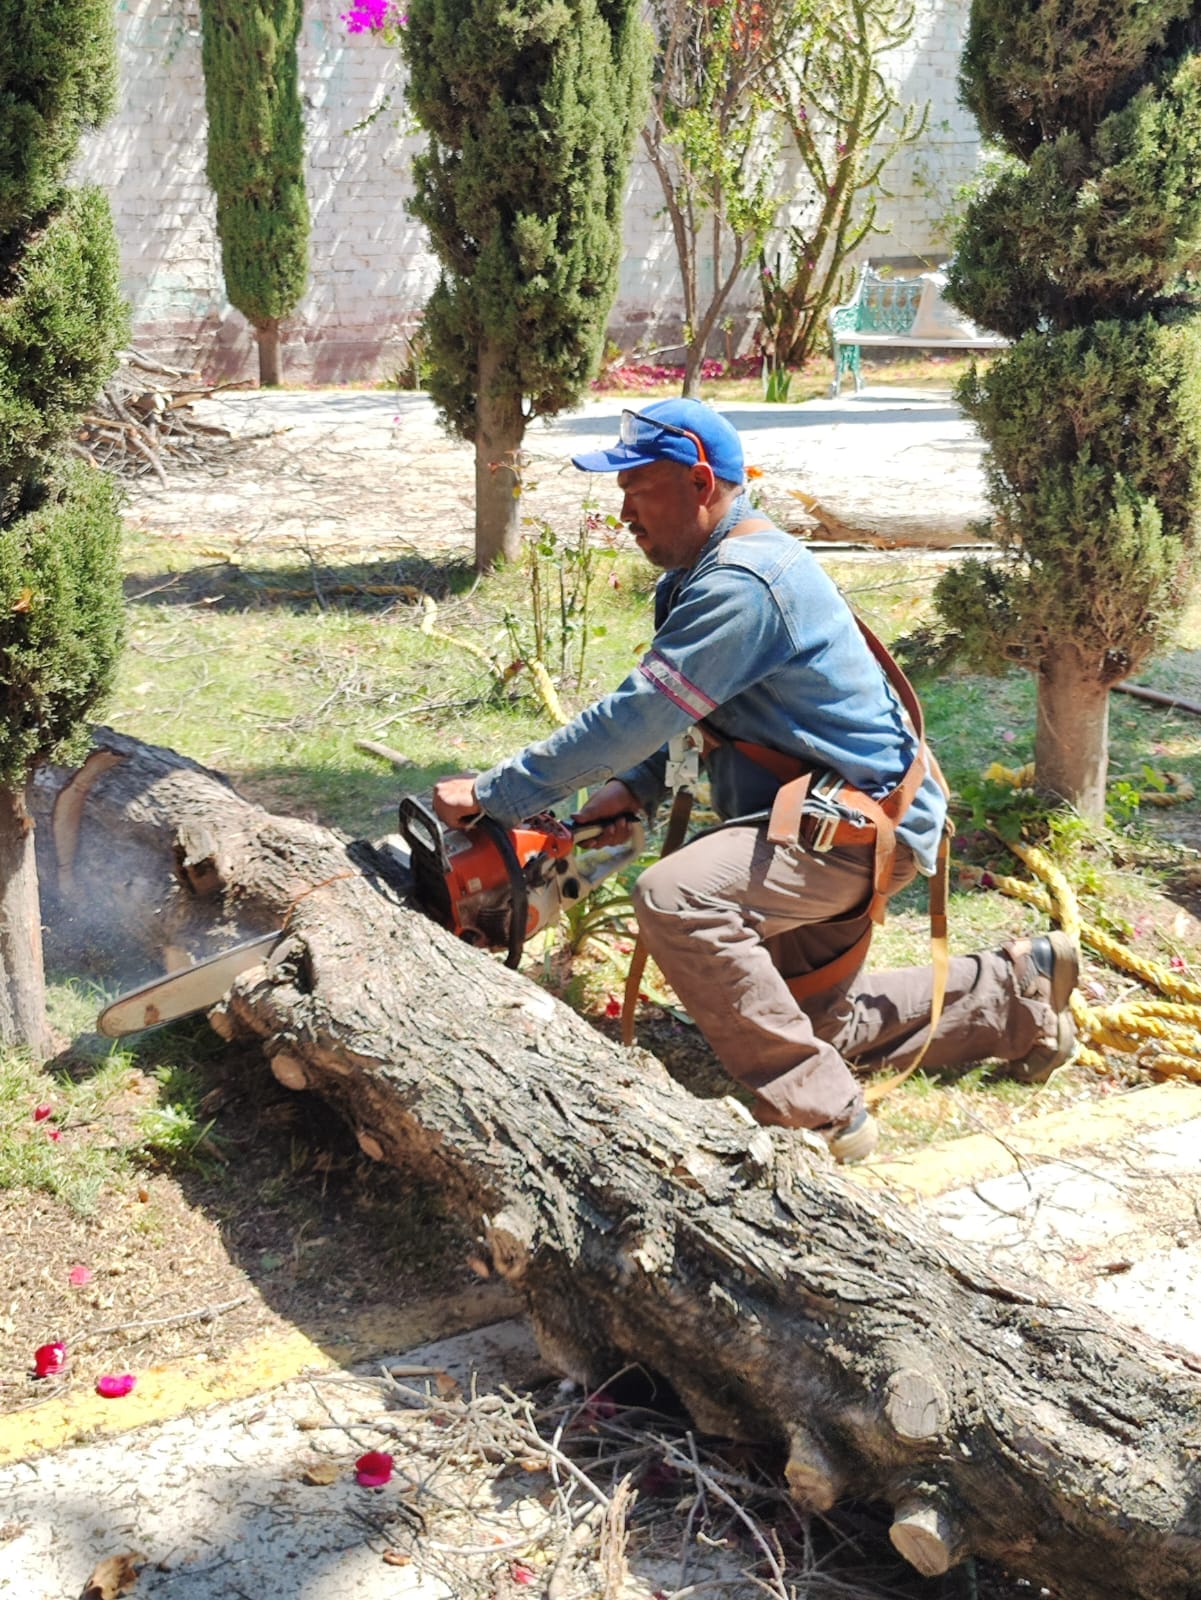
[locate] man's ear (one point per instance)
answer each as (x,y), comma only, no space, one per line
(704,480)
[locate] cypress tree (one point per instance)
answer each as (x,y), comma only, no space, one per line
(256,161)
(531,108)
(1084,252)
(61,322)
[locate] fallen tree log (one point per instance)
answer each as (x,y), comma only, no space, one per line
(784,1304)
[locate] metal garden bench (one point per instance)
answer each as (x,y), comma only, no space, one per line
(898,313)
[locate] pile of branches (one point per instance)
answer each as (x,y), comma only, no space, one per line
(143,422)
(579,1494)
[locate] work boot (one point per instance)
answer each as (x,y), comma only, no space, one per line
(1056,963)
(849,1142)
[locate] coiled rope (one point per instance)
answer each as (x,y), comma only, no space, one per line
(1163,1034)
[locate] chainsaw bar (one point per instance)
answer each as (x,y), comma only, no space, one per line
(183,993)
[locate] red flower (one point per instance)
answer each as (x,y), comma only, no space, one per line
(79,1275)
(40,1113)
(373,1469)
(113,1385)
(612,1006)
(520,1573)
(49,1359)
(54,1134)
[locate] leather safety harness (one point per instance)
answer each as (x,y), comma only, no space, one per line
(788,822)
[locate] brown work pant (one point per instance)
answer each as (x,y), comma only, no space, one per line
(729,917)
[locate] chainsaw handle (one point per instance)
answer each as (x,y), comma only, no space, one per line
(582,832)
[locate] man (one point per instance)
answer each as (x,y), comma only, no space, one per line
(760,926)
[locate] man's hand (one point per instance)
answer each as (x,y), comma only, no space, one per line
(614,805)
(455,803)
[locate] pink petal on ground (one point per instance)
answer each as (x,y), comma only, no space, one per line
(49,1359)
(373,1469)
(79,1275)
(40,1113)
(112,1385)
(54,1133)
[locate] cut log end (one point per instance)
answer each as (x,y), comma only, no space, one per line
(291,1073)
(917,1406)
(814,1482)
(925,1533)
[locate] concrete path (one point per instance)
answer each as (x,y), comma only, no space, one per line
(376,470)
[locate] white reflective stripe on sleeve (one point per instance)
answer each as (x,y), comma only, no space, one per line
(676,686)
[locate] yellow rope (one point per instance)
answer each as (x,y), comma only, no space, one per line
(1164,1035)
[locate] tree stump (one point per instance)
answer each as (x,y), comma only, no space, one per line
(783,1303)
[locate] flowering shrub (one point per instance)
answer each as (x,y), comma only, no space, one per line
(373,16)
(653,375)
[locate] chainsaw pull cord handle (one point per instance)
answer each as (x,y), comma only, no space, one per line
(519,896)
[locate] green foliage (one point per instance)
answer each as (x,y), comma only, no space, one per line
(175,1131)
(61,319)
(1033,72)
(562,573)
(847,123)
(713,143)
(1077,263)
(61,617)
(1084,251)
(531,108)
(58,75)
(256,152)
(1094,473)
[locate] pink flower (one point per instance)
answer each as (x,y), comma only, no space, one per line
(1177,963)
(1008,737)
(112,1385)
(49,1359)
(40,1113)
(372,16)
(79,1275)
(374,1469)
(54,1133)
(520,1573)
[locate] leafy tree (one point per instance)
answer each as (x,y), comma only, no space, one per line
(1083,252)
(61,321)
(846,122)
(531,108)
(256,161)
(712,142)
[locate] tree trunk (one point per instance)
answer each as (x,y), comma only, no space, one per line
(1071,741)
(270,365)
(22,984)
(499,430)
(641,1225)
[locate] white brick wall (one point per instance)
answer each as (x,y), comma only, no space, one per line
(371,270)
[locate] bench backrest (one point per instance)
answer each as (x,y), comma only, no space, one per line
(886,305)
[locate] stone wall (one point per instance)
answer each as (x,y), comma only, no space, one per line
(371,270)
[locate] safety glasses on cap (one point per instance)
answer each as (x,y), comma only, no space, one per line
(639,429)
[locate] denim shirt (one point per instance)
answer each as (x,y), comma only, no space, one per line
(756,639)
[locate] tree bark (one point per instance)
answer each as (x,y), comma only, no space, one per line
(270,361)
(1071,739)
(22,983)
(641,1225)
(499,430)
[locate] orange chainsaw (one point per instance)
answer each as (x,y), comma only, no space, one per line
(495,887)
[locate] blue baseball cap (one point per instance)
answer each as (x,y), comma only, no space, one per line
(686,431)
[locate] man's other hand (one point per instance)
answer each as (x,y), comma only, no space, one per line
(455,804)
(615,806)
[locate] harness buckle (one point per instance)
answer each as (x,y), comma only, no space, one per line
(684,759)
